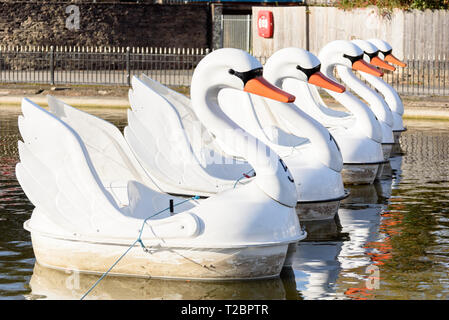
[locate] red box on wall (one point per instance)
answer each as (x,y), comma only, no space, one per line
(265,23)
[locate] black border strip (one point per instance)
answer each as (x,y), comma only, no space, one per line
(347,193)
(364,163)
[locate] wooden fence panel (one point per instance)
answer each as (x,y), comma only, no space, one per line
(413,34)
(289,30)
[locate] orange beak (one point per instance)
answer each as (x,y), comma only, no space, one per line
(362,65)
(378,62)
(320,80)
(263,88)
(392,59)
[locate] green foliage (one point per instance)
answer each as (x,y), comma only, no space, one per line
(391,4)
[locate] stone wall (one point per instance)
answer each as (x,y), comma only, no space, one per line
(105,24)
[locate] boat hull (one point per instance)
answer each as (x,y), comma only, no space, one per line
(386,150)
(290,254)
(382,170)
(397,136)
(53,284)
(253,262)
(396,149)
(312,211)
(359,173)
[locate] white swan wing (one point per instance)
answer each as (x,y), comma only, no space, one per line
(110,154)
(190,122)
(156,135)
(179,101)
(58,176)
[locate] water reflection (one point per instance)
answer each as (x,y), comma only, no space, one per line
(53,284)
(334,258)
(16,254)
(399,225)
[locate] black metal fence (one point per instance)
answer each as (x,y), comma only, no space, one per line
(97,65)
(422,76)
(170,66)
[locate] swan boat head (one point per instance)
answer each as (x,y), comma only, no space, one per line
(237,69)
(374,99)
(391,95)
(372,54)
(300,65)
(347,54)
(386,52)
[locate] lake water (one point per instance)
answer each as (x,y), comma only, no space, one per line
(390,240)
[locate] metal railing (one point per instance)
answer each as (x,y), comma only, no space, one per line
(236,30)
(97,65)
(421,77)
(170,66)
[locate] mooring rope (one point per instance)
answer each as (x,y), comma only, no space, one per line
(138,240)
(244,175)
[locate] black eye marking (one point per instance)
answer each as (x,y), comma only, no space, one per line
(248,75)
(353,59)
(309,72)
(372,55)
(386,53)
(285,169)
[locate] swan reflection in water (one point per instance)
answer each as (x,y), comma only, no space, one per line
(52,284)
(331,263)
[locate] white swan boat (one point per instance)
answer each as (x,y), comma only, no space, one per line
(373,99)
(94,202)
(306,147)
(309,152)
(389,93)
(358,133)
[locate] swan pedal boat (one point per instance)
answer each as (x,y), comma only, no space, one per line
(149,100)
(92,199)
(306,147)
(357,133)
(394,101)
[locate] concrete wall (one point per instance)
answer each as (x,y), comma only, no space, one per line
(102,24)
(413,34)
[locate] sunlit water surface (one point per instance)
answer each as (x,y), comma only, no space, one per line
(390,240)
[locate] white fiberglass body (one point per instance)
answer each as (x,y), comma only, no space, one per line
(174,147)
(358,133)
(92,199)
(391,96)
(306,147)
(374,100)
(311,157)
